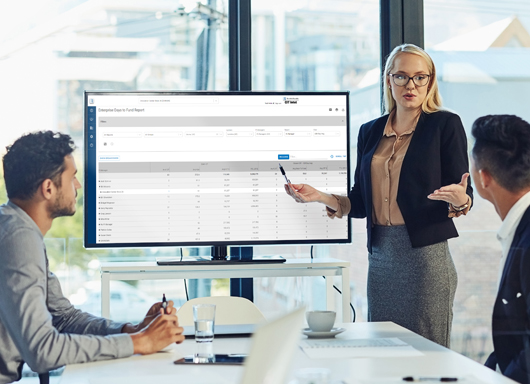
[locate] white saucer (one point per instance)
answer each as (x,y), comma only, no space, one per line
(322,335)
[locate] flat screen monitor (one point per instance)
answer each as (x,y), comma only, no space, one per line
(202,168)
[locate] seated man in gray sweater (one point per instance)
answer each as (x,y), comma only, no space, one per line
(38,325)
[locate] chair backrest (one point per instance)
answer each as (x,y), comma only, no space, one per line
(228,310)
(272,350)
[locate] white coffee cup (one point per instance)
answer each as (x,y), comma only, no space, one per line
(320,321)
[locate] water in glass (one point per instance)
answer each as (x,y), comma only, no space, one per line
(204,330)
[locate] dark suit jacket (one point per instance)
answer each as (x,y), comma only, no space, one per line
(437,156)
(511,311)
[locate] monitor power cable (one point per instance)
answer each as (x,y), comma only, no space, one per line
(338,290)
(185,285)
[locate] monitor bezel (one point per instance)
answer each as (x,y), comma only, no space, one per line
(209,243)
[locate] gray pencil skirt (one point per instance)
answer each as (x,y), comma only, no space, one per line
(413,287)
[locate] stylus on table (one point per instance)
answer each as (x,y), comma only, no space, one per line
(284,175)
(431,378)
(164,303)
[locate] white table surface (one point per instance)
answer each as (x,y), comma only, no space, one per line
(159,367)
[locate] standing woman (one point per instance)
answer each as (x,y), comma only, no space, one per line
(410,181)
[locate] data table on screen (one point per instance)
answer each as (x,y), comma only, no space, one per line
(214,201)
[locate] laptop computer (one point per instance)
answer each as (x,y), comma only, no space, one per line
(272,349)
(271,352)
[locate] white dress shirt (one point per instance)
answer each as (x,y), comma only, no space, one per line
(509,226)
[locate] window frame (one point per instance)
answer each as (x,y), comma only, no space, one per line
(401,21)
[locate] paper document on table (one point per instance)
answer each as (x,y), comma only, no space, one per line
(355,343)
(183,377)
(350,348)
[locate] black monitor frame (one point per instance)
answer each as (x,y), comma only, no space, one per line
(218,247)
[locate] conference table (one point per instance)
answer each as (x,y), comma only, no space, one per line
(431,360)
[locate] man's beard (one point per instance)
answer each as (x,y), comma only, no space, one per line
(61,208)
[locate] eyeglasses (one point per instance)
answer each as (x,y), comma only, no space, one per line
(402,80)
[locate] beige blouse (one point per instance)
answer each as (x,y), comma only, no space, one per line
(386,168)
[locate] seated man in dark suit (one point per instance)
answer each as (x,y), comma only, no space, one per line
(500,167)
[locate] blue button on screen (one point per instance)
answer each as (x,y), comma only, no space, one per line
(283,157)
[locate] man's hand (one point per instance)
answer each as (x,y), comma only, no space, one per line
(454,194)
(161,332)
(151,314)
(154,311)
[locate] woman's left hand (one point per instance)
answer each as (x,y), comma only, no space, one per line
(454,194)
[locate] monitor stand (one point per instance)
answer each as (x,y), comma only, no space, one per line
(219,252)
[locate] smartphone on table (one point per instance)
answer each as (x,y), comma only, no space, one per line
(221,359)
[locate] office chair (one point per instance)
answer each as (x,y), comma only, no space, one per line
(228,310)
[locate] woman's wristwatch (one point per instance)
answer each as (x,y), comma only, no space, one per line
(462,207)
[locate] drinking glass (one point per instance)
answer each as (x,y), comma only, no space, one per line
(204,318)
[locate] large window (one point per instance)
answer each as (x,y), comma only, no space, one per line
(482,58)
(51,51)
(54,50)
(318,46)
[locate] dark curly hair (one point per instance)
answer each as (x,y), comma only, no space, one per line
(33,158)
(502,147)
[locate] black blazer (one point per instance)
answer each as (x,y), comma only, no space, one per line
(437,156)
(511,311)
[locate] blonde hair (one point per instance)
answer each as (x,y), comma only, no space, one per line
(433,100)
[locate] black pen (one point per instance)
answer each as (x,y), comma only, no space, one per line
(284,175)
(164,303)
(420,378)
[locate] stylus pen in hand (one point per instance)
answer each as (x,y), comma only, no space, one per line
(284,175)
(164,303)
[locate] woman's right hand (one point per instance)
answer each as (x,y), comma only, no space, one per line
(303,193)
